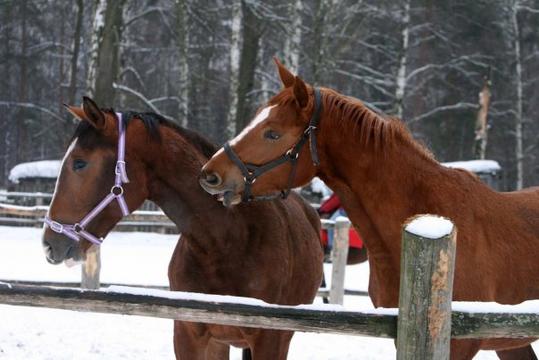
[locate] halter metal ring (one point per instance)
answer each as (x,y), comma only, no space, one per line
(77,228)
(117,190)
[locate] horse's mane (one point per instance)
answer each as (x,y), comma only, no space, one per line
(152,122)
(353,115)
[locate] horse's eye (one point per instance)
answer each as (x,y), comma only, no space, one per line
(272,135)
(79,164)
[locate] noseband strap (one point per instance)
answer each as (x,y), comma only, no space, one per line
(251,172)
(77,230)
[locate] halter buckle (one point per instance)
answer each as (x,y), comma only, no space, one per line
(117,190)
(309,129)
(56,226)
(292,155)
(118,168)
(249,180)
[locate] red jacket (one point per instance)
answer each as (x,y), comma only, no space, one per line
(329,207)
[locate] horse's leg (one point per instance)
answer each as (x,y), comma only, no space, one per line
(271,345)
(188,346)
(464,349)
(523,353)
(217,351)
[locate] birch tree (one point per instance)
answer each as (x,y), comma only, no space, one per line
(401,73)
(235,46)
(182,40)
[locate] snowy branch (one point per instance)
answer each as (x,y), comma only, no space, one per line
(32,107)
(142,98)
(528,9)
(458,106)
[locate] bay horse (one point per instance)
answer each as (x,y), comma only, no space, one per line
(383,177)
(270,251)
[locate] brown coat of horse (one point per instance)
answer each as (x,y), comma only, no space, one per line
(384,177)
(269,251)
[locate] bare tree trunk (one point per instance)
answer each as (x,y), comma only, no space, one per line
(401,74)
(318,31)
(519,155)
(235,43)
(292,45)
(98,25)
(481,124)
(105,51)
(6,123)
(75,57)
(251,33)
(21,131)
(61,65)
(182,40)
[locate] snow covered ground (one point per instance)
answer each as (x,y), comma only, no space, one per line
(135,258)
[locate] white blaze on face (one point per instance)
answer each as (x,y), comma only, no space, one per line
(68,152)
(262,115)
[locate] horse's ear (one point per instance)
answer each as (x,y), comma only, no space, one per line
(77,112)
(300,92)
(93,114)
(287,78)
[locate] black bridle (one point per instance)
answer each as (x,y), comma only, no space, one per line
(251,172)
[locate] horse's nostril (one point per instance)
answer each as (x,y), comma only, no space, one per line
(212,179)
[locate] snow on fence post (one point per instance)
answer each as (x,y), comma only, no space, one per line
(91,268)
(426,288)
(339,256)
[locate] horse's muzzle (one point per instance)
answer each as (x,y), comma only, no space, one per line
(57,249)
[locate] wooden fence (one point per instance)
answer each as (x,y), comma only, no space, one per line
(422,326)
(28,209)
(157,221)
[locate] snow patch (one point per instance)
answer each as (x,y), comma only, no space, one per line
(476,166)
(42,169)
(430,226)
(526,307)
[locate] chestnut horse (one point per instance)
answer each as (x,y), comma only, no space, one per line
(384,177)
(269,251)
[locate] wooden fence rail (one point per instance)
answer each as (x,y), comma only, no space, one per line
(238,312)
(33,215)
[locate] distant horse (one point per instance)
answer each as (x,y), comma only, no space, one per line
(384,177)
(270,251)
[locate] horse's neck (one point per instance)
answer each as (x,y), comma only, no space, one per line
(379,189)
(173,186)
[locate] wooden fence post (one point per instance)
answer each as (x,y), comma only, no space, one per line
(426,288)
(339,256)
(91,268)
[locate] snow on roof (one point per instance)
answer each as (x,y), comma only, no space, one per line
(42,169)
(430,226)
(476,166)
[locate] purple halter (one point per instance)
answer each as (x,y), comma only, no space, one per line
(77,230)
